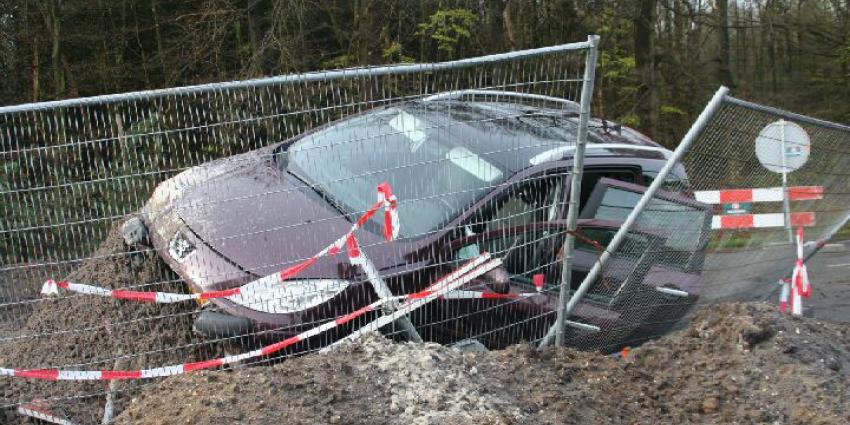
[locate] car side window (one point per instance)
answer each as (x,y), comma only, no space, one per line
(537,199)
(524,252)
(596,235)
(506,222)
(672,183)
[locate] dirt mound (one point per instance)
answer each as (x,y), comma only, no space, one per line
(370,381)
(741,363)
(87,332)
(735,363)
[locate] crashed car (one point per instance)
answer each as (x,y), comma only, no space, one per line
(473,172)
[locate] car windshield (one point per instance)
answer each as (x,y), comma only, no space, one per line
(436,170)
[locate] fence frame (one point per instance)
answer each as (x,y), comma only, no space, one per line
(720,97)
(575,186)
(339,74)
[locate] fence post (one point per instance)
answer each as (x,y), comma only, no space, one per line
(575,182)
(692,134)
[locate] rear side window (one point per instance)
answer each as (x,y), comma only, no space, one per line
(592,176)
(616,204)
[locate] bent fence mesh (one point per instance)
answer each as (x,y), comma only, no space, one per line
(240,204)
(734,244)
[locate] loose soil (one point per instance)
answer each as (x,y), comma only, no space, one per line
(735,363)
(97,333)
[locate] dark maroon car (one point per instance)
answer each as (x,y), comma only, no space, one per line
(471,175)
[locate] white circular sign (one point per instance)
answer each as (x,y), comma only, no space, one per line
(783,146)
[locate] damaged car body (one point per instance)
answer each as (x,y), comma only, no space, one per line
(472,175)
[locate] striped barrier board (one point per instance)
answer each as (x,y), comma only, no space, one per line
(769,194)
(42,413)
(742,199)
(748,221)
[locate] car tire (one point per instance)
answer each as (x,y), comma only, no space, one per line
(215,325)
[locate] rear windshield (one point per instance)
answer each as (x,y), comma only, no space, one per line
(659,214)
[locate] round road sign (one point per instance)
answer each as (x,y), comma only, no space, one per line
(782,146)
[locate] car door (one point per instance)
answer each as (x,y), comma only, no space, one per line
(507,223)
(651,285)
(527,250)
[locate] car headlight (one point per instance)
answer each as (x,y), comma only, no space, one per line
(179,247)
(289,296)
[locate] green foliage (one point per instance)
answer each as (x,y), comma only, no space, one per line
(672,110)
(631,120)
(448,27)
(616,67)
(395,54)
(338,62)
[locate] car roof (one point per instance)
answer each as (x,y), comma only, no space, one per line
(522,134)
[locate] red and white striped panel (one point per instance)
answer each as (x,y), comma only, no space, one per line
(749,221)
(451,282)
(768,194)
(37,411)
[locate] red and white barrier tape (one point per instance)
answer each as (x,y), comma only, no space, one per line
(768,194)
(538,282)
(798,287)
(466,295)
(462,295)
(436,290)
(450,282)
(390,203)
(386,200)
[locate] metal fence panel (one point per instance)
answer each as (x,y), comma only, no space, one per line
(75,172)
(720,234)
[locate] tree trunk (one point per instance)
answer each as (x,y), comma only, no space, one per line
(52,23)
(647,95)
(494,25)
(36,68)
(160,51)
(368,19)
(724,68)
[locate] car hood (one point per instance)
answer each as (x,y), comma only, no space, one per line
(263,220)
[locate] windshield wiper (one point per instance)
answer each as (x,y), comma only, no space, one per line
(327,196)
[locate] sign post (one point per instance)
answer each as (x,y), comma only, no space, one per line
(788,155)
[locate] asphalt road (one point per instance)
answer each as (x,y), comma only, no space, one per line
(829,272)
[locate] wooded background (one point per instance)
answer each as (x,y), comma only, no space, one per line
(660,59)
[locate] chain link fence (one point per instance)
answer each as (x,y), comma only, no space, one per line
(723,231)
(129,204)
